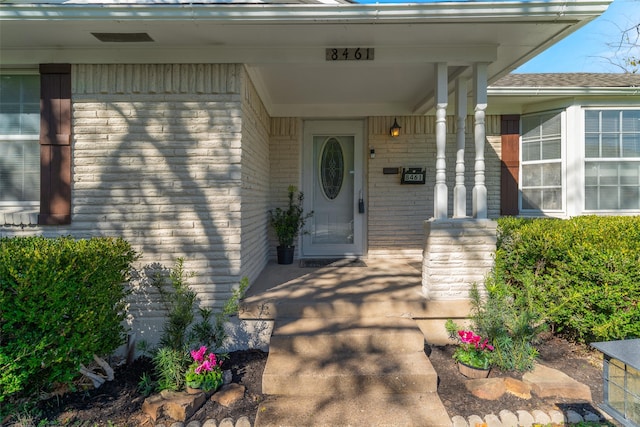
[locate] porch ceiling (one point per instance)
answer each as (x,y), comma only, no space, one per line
(284,45)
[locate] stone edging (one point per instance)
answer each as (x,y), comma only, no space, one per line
(525,419)
(227,422)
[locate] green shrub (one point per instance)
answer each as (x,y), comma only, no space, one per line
(581,275)
(179,300)
(171,366)
(512,329)
(181,332)
(62,301)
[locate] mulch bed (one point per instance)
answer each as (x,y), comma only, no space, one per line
(119,402)
(577,361)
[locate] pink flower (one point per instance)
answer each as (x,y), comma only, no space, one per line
(212,358)
(198,356)
(468,337)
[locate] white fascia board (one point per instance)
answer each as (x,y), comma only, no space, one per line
(563,91)
(441,12)
(245,55)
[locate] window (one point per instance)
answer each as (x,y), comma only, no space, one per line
(612,159)
(35,163)
(541,182)
(19,140)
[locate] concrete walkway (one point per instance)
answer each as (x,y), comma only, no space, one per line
(345,350)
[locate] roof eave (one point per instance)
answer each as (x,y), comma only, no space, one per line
(563,91)
(498,11)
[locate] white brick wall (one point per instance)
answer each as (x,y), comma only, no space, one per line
(255,182)
(158,161)
(396,211)
(285,159)
(457,253)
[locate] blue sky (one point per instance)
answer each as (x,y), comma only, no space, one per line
(586,49)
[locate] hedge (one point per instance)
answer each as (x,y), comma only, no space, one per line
(61,302)
(582,274)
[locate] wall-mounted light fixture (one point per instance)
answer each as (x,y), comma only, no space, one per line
(395,129)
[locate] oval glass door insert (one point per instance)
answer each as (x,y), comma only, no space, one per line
(331,168)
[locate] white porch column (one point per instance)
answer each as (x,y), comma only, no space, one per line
(480,102)
(440,202)
(460,191)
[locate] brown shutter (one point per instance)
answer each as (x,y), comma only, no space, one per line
(510,166)
(55,144)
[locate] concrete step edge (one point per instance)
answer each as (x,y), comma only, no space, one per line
(409,410)
(287,374)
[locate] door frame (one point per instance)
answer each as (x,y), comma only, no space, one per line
(353,128)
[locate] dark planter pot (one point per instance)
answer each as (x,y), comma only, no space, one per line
(285,254)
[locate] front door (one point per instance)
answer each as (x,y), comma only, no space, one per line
(333,188)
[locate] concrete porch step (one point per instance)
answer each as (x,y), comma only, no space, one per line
(326,337)
(348,306)
(362,410)
(348,374)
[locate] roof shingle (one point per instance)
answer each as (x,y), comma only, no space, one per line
(543,80)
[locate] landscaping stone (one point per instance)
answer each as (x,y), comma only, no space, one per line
(525,419)
(177,424)
(152,406)
(517,388)
(227,376)
(476,421)
(540,417)
(492,421)
(557,417)
(181,406)
(590,416)
(508,418)
(458,421)
(210,423)
(489,388)
(549,382)
(194,424)
(573,417)
(243,422)
(178,406)
(229,394)
(227,422)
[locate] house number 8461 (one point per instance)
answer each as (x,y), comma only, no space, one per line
(349,54)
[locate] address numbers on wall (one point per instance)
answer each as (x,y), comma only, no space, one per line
(349,54)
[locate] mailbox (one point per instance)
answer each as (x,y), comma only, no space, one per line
(413,176)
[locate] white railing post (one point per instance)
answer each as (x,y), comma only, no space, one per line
(440,202)
(460,191)
(480,102)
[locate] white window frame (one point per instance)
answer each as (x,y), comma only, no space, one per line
(584,160)
(24,206)
(563,166)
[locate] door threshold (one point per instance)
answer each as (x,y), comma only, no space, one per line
(331,262)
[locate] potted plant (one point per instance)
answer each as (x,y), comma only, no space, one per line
(288,223)
(205,372)
(473,353)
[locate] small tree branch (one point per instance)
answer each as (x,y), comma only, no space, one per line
(97,379)
(105,366)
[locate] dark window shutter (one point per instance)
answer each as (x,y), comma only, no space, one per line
(55,144)
(510,165)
